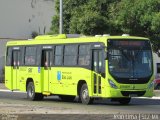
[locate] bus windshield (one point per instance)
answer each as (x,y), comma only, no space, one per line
(130,59)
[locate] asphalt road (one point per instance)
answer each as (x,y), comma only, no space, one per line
(54,105)
(15,106)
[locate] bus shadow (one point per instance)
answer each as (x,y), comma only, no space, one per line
(134,101)
(108,102)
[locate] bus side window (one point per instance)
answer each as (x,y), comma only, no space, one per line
(14,58)
(30,55)
(84,55)
(46,59)
(70,55)
(9,56)
(58,55)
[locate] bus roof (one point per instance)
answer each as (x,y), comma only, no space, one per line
(69,38)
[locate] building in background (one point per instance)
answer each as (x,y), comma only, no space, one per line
(19,19)
(156,65)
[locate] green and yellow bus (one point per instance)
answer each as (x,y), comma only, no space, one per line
(102,66)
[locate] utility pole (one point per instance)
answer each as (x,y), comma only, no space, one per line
(61,17)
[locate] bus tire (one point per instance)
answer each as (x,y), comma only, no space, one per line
(124,101)
(31,95)
(84,95)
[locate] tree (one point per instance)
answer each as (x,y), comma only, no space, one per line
(69,6)
(138,17)
(83,16)
(90,17)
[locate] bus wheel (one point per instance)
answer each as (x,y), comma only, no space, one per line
(84,95)
(124,101)
(31,95)
(67,98)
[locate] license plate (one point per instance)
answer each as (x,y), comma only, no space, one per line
(133,95)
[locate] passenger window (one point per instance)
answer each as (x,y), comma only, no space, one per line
(9,56)
(30,56)
(58,55)
(84,55)
(70,55)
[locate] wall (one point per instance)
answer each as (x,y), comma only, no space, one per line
(2,57)
(19,18)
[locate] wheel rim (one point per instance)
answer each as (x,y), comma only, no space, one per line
(85,94)
(31,91)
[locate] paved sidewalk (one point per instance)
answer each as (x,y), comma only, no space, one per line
(2,86)
(157,93)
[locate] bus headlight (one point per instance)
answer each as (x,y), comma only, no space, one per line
(112,84)
(151,85)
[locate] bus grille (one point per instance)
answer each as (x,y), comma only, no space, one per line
(130,93)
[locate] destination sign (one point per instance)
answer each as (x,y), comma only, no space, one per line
(129,43)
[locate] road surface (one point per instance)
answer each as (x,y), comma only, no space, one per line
(16,104)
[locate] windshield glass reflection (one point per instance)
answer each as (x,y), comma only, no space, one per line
(130,62)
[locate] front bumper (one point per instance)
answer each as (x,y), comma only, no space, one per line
(116,93)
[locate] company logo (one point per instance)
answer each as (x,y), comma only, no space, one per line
(39,69)
(58,75)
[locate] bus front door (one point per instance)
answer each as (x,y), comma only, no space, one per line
(97,69)
(46,68)
(15,69)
